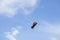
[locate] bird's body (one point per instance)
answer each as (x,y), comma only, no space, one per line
(33,25)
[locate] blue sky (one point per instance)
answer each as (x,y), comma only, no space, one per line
(17,16)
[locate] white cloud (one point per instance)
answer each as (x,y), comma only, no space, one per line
(12,35)
(10,7)
(53,38)
(50,28)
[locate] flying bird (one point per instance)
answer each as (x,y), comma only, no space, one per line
(33,24)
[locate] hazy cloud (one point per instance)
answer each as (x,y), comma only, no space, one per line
(10,7)
(12,35)
(50,28)
(53,38)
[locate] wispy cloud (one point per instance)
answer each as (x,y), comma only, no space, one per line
(53,38)
(10,7)
(12,35)
(50,28)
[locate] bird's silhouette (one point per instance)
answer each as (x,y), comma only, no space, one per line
(33,25)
